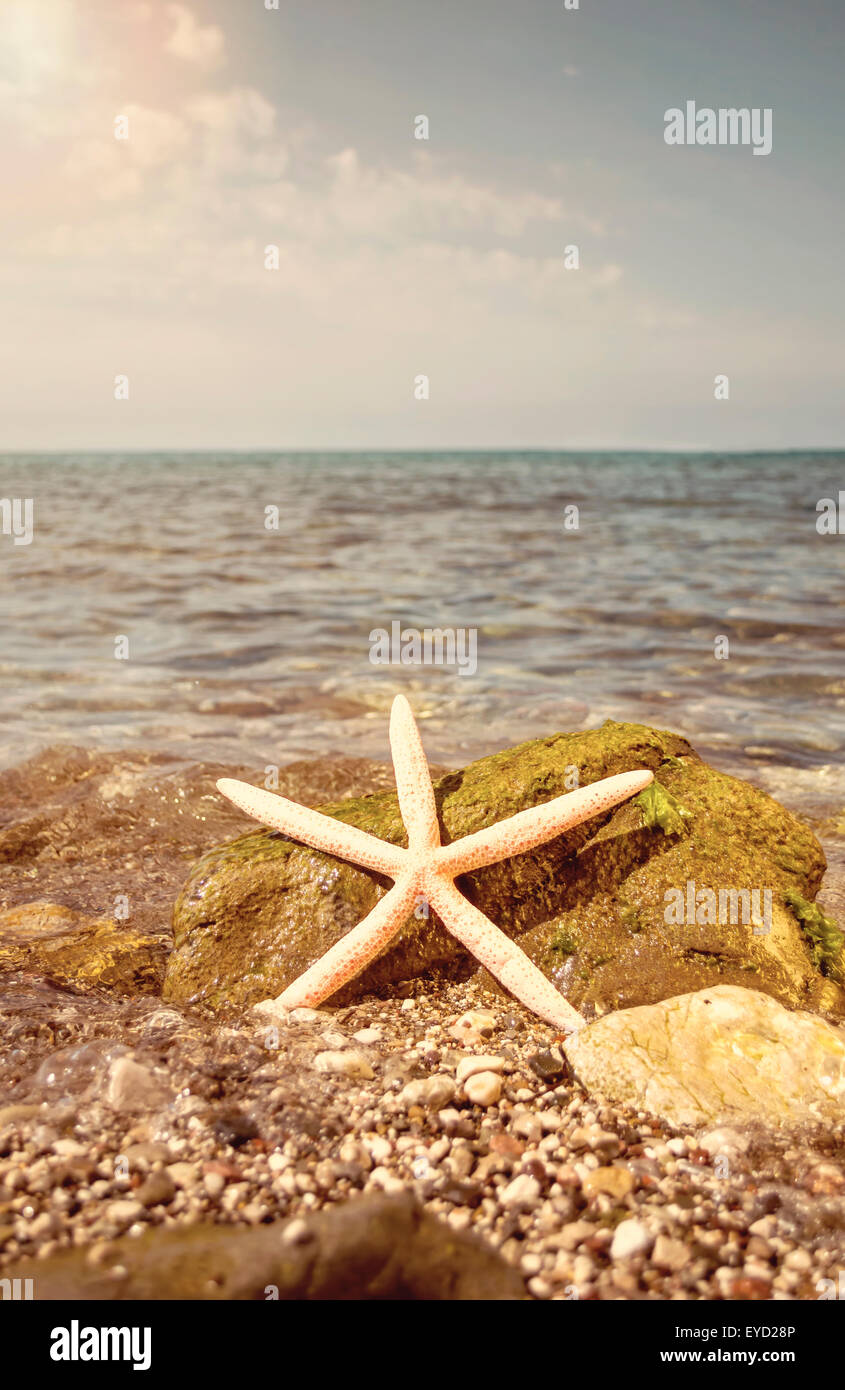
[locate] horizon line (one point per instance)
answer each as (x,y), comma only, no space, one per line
(209,450)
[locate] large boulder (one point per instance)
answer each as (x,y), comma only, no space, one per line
(720,1054)
(595,908)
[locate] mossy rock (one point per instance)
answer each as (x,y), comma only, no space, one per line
(257,911)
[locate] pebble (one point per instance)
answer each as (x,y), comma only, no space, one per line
(233,1127)
(347,1063)
(504,1143)
(367,1036)
(615,1182)
(521,1194)
(468,1066)
(433,1092)
(528,1127)
(724,1141)
(159,1189)
(144,1154)
(483,1088)
(630,1238)
(799,1260)
(123,1213)
(473,1025)
(14,1114)
(297,1232)
(43,1225)
(69,1148)
(549,1066)
(583,1269)
(131,1087)
(351,1151)
(765,1227)
(379,1148)
(596,1139)
(669,1254)
(573,1234)
(387,1180)
(183,1174)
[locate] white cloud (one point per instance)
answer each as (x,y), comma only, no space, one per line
(203,46)
(151,250)
(426,201)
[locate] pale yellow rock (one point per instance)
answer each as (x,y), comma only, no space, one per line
(723,1052)
(346,1063)
(483,1088)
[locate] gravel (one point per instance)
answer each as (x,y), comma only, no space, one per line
(458,1095)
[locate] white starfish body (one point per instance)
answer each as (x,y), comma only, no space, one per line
(426,870)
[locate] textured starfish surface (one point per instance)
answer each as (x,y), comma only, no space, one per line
(425,872)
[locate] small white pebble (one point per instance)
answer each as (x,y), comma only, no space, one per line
(521,1194)
(631,1237)
(367,1036)
(296,1232)
(798,1260)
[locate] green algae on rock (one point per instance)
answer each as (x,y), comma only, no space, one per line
(661,810)
(826,938)
(257,911)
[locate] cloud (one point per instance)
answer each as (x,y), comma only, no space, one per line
(426,201)
(193,43)
(150,251)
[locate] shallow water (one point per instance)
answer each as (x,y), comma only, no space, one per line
(248,643)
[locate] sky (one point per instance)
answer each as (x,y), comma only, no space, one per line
(398,258)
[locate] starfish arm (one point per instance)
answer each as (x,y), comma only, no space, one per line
(501,956)
(353,951)
(413,780)
(539,823)
(314,829)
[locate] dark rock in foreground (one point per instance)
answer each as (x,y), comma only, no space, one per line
(372,1248)
(589,907)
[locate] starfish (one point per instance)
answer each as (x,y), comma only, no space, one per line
(426,871)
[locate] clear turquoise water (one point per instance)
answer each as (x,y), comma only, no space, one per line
(252,644)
